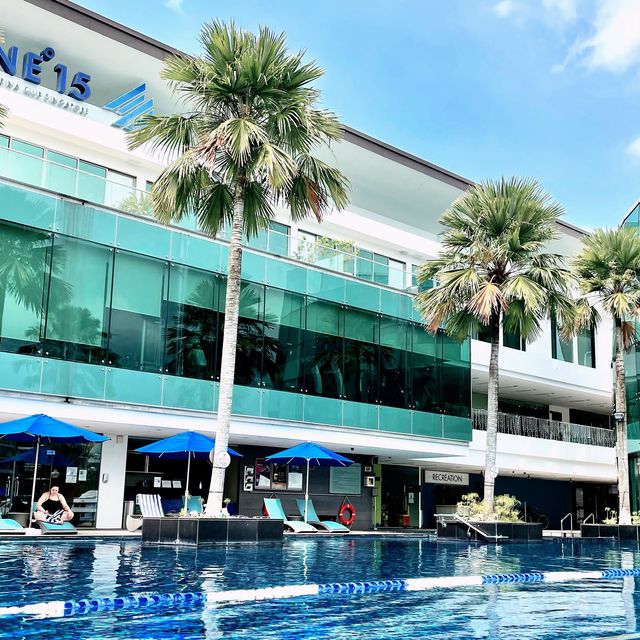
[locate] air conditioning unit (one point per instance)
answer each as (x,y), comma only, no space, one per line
(369,481)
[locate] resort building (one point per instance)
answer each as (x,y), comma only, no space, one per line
(112,321)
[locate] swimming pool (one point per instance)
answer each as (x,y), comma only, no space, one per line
(62,570)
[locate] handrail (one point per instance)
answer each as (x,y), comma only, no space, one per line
(592,516)
(480,532)
(570,516)
(527,426)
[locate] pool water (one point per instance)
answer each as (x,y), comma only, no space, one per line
(63,570)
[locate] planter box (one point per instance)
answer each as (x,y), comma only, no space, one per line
(450,529)
(616,531)
(210,531)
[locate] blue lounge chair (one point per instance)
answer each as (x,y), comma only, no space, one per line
(275,511)
(194,504)
(313,519)
(48,528)
(11,527)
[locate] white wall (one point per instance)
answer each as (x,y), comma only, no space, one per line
(111,483)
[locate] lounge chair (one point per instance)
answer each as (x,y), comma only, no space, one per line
(150,507)
(48,528)
(11,527)
(276,512)
(194,505)
(313,519)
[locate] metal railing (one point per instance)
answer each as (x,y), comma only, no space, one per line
(547,429)
(562,532)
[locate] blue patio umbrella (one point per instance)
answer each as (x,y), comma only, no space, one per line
(188,444)
(46,429)
(310,453)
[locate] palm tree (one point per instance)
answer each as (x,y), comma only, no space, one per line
(244,146)
(493,270)
(608,272)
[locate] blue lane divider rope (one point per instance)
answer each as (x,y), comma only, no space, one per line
(61,608)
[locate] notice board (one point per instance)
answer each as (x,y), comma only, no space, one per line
(345,480)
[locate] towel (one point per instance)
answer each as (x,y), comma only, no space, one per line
(55,518)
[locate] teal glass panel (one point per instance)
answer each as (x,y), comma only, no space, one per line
(77,318)
(322,410)
(4,155)
(195,252)
(257,241)
(91,182)
(284,319)
(324,317)
(380,269)
(4,142)
(396,274)
(278,239)
(425,379)
(253,267)
(135,387)
(364,264)
(393,304)
(395,420)
(363,296)
(185,393)
(394,372)
(27,207)
(286,275)
(119,189)
(26,162)
(360,415)
(560,349)
(457,428)
(85,222)
(24,256)
(455,378)
(246,400)
(326,286)
(60,173)
(586,348)
(20,373)
(360,360)
(73,379)
(282,405)
(144,238)
(249,350)
(426,424)
(139,286)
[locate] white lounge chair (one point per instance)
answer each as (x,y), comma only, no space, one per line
(275,511)
(150,507)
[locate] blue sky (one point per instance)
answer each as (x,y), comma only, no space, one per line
(542,88)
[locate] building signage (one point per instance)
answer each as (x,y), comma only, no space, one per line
(446,477)
(77,88)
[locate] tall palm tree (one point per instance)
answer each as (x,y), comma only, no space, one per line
(244,145)
(608,272)
(493,270)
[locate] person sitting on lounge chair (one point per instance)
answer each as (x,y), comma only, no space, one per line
(53,508)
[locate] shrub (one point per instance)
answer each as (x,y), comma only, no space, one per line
(505,508)
(611,516)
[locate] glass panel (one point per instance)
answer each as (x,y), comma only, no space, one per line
(60,173)
(282,334)
(380,269)
(250,335)
(278,239)
(77,318)
(456,377)
(91,182)
(425,375)
(119,188)
(136,333)
(360,360)
(396,274)
(560,350)
(513,340)
(393,362)
(322,349)
(586,348)
(364,264)
(24,254)
(192,323)
(26,164)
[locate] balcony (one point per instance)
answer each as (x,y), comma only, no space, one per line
(547,429)
(100,186)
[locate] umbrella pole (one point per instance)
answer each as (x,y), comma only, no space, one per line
(186,487)
(35,478)
(306,493)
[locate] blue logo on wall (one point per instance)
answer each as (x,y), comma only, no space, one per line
(131,106)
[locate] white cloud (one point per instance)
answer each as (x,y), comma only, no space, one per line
(634,148)
(174,5)
(615,43)
(566,9)
(504,8)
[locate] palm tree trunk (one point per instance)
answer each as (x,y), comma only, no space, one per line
(622,456)
(490,467)
(228,360)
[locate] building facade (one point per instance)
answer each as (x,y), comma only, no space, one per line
(113,321)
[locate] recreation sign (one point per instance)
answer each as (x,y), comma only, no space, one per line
(446,477)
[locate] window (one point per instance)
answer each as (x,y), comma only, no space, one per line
(26,164)
(513,340)
(587,347)
(360,359)
(428,284)
(394,361)
(560,349)
(425,385)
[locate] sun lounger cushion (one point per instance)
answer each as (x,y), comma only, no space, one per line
(66,528)
(9,526)
(313,518)
(275,511)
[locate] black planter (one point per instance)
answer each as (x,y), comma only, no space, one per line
(493,532)
(210,531)
(616,531)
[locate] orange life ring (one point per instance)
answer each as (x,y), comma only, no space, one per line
(347,522)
